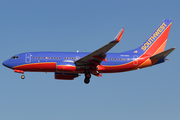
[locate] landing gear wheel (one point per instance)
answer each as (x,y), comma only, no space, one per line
(86,80)
(22,76)
(87,77)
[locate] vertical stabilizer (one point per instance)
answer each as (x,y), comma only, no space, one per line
(156,42)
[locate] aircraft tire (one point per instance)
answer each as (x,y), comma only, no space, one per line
(22,76)
(86,80)
(87,77)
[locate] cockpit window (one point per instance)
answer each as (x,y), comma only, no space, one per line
(14,57)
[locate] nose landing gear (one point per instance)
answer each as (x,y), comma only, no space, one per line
(20,71)
(22,76)
(87,77)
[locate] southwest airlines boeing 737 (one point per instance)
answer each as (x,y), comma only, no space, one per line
(68,65)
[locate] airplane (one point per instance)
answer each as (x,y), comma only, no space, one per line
(68,65)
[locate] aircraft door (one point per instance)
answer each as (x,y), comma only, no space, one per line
(135,62)
(28,57)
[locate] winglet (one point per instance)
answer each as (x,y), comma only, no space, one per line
(118,36)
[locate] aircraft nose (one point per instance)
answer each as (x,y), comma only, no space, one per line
(6,63)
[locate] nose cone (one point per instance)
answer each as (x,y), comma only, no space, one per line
(6,63)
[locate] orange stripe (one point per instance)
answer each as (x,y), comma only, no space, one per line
(38,67)
(161,48)
(159,41)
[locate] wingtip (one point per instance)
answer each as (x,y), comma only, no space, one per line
(118,36)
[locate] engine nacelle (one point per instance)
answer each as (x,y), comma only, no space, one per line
(66,67)
(65,76)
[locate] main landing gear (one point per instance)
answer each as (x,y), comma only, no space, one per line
(87,77)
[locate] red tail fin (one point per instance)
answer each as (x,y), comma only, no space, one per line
(157,40)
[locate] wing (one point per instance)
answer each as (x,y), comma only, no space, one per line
(95,58)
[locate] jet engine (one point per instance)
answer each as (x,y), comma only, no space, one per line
(65,76)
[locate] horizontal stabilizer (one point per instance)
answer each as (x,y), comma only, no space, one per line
(162,54)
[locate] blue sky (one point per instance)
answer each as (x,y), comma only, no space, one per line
(57,25)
